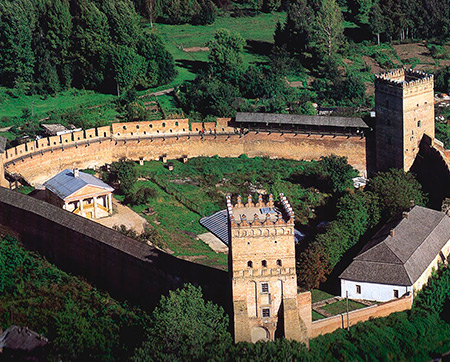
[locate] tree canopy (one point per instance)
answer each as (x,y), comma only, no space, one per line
(186,327)
(47,46)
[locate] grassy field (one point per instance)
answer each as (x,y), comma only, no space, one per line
(12,106)
(257,30)
(198,188)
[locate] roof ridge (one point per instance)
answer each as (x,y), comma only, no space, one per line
(376,245)
(428,235)
(420,244)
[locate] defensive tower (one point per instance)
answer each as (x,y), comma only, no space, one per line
(404,105)
(262,267)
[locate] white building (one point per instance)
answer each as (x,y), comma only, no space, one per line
(400,257)
(80,193)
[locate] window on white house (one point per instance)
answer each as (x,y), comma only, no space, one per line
(358,289)
(264,287)
(266,312)
(395,293)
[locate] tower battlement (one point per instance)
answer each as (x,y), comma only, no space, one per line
(404,78)
(261,213)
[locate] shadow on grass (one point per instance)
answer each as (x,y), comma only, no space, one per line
(259,47)
(194,66)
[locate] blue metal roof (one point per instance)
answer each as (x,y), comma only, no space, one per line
(218,225)
(65,183)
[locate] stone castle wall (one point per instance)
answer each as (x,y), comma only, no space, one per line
(38,160)
(126,268)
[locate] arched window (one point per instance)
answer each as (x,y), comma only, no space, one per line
(176,124)
(250,264)
(279,262)
(124,127)
(264,263)
(150,125)
(163,124)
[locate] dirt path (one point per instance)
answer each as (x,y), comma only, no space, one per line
(124,216)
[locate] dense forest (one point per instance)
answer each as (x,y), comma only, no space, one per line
(47,46)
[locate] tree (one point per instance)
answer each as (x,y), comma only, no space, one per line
(377,22)
(225,59)
(338,172)
(17,59)
(296,33)
(312,266)
(329,29)
(125,173)
(396,189)
(185,327)
(128,66)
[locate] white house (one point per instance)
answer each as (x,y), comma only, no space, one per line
(400,257)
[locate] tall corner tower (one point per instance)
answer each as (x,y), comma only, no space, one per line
(404,105)
(262,269)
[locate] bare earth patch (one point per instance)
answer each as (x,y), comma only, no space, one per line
(214,242)
(374,66)
(296,84)
(196,49)
(124,216)
(418,51)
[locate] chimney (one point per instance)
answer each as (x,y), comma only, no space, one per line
(405,215)
(411,203)
(392,232)
(76,173)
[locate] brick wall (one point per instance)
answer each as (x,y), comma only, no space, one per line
(328,325)
(41,159)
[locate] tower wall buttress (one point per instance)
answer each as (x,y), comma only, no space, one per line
(404,105)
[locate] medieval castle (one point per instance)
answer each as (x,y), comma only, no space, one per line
(262,270)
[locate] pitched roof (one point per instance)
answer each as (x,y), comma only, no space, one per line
(65,183)
(402,258)
(21,338)
(2,144)
(302,120)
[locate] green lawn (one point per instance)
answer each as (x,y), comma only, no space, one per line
(316,316)
(198,188)
(341,307)
(172,219)
(12,105)
(318,295)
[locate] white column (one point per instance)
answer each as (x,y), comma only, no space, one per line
(110,208)
(95,206)
(81,207)
(65,205)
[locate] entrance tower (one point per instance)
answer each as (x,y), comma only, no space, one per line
(262,267)
(404,105)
